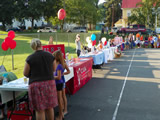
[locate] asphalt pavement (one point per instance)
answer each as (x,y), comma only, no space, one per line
(126,88)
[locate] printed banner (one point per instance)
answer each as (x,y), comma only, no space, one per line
(53,48)
(82,73)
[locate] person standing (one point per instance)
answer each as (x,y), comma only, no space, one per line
(155,38)
(50,40)
(64,98)
(127,42)
(58,75)
(42,92)
(102,30)
(78,45)
(106,30)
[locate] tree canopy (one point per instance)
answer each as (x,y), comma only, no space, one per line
(113,11)
(7,12)
(144,13)
(83,11)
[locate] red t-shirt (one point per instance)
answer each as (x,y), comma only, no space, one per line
(150,38)
(141,38)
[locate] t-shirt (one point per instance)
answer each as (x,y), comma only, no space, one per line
(155,39)
(141,38)
(78,45)
(41,66)
(137,35)
(150,38)
(59,67)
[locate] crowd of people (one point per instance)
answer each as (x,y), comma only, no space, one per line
(46,82)
(145,41)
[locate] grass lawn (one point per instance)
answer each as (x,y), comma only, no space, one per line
(23,49)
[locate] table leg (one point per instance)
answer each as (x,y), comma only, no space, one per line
(14,104)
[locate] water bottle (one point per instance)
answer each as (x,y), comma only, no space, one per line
(5,81)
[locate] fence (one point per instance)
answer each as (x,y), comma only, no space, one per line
(23,40)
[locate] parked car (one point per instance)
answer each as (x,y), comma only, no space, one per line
(115,29)
(78,29)
(47,29)
(157,30)
(133,29)
(15,29)
(149,31)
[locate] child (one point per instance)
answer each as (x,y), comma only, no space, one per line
(60,66)
(146,42)
(127,42)
(100,45)
(64,98)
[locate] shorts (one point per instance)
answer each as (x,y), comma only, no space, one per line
(155,44)
(64,85)
(59,86)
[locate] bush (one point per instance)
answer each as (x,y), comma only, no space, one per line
(29,28)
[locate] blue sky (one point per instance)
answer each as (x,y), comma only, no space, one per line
(101,1)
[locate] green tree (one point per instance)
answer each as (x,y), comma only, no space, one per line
(50,8)
(143,14)
(82,11)
(32,9)
(7,12)
(113,11)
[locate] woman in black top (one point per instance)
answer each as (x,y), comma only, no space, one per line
(39,68)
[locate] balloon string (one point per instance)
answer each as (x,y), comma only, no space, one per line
(4,57)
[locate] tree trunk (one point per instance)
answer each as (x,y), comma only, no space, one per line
(3,25)
(61,23)
(32,24)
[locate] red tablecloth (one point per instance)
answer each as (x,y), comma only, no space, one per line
(82,73)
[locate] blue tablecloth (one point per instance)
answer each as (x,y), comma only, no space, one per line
(98,58)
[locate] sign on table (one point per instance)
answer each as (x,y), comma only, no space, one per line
(53,48)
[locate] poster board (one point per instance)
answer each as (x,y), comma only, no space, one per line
(53,48)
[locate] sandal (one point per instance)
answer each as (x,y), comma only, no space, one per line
(65,113)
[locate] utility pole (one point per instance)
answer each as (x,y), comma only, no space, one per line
(112,15)
(156,21)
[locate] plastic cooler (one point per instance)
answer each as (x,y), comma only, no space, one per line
(21,109)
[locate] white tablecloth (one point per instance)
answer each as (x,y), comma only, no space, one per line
(112,50)
(19,86)
(106,55)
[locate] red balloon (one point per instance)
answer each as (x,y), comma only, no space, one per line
(61,14)
(94,43)
(105,43)
(13,44)
(8,41)
(11,34)
(4,46)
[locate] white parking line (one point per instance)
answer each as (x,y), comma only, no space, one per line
(122,90)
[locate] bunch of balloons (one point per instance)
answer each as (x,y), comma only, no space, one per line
(104,41)
(61,14)
(8,41)
(93,38)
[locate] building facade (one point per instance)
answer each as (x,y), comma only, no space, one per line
(127,7)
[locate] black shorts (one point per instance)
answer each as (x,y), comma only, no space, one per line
(59,87)
(78,53)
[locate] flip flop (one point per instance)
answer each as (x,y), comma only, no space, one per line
(65,113)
